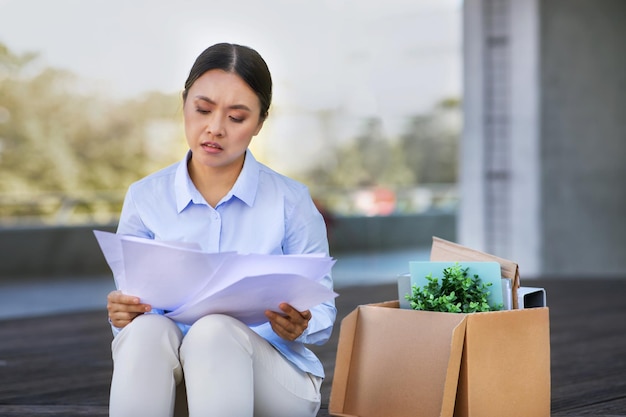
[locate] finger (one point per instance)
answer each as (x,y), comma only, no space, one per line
(121,298)
(116,301)
(306,315)
(283,332)
(285,326)
(280,324)
(293,313)
(276,318)
(131,308)
(122,319)
(286,308)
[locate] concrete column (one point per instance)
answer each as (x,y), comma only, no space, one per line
(499,179)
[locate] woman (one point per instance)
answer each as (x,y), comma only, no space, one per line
(222,198)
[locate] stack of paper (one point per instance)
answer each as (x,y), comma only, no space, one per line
(190,283)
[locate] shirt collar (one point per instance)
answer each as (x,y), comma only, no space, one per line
(245,187)
(183,186)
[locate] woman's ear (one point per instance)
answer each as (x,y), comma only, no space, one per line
(259,126)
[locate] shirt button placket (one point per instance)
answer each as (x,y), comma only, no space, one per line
(215,231)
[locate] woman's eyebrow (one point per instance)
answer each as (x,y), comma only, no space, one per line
(234,106)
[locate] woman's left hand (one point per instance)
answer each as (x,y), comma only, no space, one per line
(291,324)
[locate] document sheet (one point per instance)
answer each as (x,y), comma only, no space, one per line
(189,283)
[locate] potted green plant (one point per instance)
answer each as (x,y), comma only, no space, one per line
(457,292)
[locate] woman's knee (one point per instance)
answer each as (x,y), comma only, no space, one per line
(215,325)
(219,331)
(151,331)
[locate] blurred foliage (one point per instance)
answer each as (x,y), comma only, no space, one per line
(430,145)
(426,152)
(77,149)
(58,135)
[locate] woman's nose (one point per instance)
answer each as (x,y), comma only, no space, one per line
(215,125)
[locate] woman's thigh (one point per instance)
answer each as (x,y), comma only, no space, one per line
(256,372)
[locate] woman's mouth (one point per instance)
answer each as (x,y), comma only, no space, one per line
(211,146)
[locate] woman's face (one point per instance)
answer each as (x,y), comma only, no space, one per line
(222,115)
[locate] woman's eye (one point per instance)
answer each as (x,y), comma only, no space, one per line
(202,111)
(236,119)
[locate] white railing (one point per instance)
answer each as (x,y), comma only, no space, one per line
(56,208)
(103,207)
(384,201)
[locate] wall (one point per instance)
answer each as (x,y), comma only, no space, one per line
(356,234)
(50,251)
(544,139)
(56,251)
(583,130)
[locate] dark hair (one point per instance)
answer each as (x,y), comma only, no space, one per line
(241,60)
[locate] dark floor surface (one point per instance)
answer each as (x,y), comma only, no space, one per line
(59,365)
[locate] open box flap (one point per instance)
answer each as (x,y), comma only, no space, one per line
(443,250)
(372,376)
(520,377)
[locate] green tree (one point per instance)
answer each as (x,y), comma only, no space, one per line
(57,137)
(426,152)
(431,144)
(370,159)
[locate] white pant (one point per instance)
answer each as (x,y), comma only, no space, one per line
(228,371)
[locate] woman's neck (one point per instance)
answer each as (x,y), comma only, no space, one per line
(214,183)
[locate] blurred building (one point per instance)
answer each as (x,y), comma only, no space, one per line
(543,175)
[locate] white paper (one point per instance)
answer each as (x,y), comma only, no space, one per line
(111,247)
(507,294)
(248,298)
(190,283)
(165,276)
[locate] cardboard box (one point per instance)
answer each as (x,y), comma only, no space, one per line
(395,363)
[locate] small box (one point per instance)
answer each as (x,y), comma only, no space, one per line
(531,297)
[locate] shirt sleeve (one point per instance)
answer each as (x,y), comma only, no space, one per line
(130,219)
(306,233)
(321,324)
(130,224)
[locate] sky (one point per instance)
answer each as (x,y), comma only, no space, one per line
(348,58)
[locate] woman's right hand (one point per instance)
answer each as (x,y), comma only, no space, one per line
(124,308)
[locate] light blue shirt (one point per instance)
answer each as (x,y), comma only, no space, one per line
(264,212)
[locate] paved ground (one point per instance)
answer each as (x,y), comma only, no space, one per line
(60,364)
